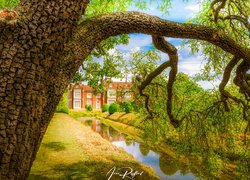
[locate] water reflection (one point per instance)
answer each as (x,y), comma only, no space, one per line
(164,165)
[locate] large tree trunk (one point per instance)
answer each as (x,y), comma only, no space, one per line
(40,50)
(30,46)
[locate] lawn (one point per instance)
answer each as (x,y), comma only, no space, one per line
(70,150)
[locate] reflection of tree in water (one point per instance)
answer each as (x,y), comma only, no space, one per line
(105,127)
(128,140)
(88,122)
(113,132)
(168,165)
(144,149)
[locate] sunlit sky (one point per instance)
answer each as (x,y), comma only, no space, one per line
(180,12)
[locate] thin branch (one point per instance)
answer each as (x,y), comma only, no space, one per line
(241,78)
(168,48)
(226,76)
(238,18)
(218,9)
(154,74)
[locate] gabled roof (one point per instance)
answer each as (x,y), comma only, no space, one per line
(118,85)
(112,85)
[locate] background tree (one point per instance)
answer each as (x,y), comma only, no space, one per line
(98,74)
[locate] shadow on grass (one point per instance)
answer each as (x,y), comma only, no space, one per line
(37,177)
(55,146)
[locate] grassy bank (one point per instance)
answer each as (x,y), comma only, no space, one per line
(72,151)
(222,167)
(133,119)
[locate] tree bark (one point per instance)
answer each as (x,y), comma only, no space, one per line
(30,44)
(40,50)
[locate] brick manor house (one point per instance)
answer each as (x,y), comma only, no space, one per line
(80,95)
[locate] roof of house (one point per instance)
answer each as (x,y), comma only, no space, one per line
(119,85)
(112,85)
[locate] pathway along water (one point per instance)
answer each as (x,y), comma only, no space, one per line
(164,165)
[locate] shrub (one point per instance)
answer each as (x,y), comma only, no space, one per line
(88,107)
(128,107)
(63,110)
(105,108)
(63,104)
(113,108)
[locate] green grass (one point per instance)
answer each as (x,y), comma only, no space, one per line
(82,113)
(70,150)
(133,119)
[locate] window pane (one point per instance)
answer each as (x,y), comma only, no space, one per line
(77,93)
(77,104)
(98,104)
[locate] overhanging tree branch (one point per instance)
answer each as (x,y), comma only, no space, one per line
(91,32)
(226,76)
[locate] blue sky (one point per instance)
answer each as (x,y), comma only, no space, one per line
(180,12)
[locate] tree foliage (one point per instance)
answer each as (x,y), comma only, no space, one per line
(114,107)
(63,104)
(8,3)
(97,74)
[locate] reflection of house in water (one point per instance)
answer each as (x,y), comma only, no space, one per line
(96,125)
(107,132)
(165,166)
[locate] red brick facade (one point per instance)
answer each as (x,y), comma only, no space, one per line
(80,95)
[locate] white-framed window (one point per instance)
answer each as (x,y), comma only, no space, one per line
(77,93)
(112,93)
(98,104)
(77,104)
(89,95)
(111,101)
(89,102)
(98,95)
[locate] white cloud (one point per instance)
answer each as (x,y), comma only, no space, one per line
(194,8)
(136,49)
(135,41)
(190,68)
(209,85)
(112,51)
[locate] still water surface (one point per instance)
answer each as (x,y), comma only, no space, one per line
(164,165)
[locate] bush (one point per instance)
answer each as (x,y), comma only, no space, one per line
(105,108)
(113,108)
(128,108)
(88,107)
(63,104)
(63,110)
